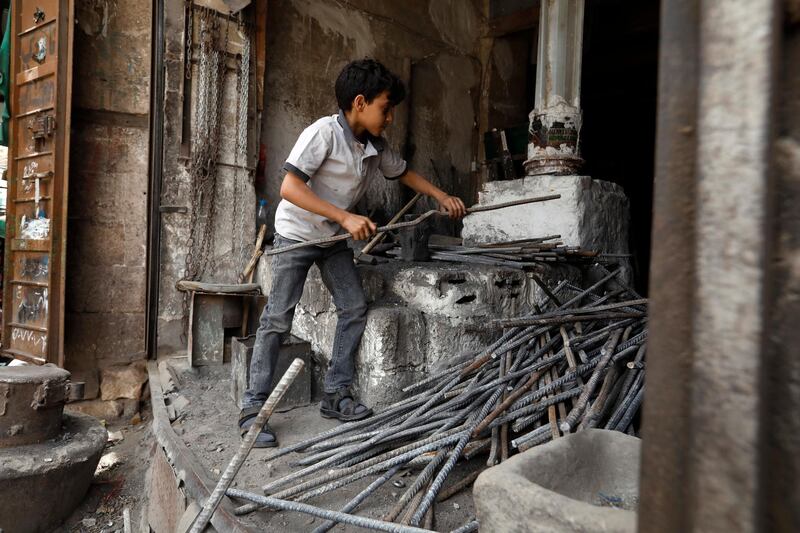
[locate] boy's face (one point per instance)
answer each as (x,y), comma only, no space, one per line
(375,116)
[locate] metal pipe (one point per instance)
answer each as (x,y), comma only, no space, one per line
(401,225)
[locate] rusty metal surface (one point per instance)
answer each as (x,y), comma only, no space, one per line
(188,470)
(702,418)
(41,67)
(31,403)
(671,272)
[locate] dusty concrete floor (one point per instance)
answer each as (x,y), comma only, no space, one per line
(119,481)
(207,425)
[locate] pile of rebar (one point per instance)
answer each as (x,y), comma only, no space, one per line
(520,254)
(577,363)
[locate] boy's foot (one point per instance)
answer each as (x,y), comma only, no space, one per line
(266,438)
(343,406)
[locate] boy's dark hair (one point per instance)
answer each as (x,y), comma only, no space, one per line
(370,78)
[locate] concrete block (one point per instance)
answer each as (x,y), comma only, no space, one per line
(564,486)
(123,381)
(427,313)
(591,213)
(298,394)
(391,355)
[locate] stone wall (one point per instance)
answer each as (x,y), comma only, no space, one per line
(432,42)
(107,218)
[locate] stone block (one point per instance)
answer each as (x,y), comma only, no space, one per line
(126,381)
(564,486)
(102,409)
(391,354)
(592,214)
(426,313)
(298,394)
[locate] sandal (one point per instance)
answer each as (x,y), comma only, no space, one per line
(341,405)
(266,438)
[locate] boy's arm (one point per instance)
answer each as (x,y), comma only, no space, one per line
(452,204)
(295,190)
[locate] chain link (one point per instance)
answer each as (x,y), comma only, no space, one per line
(211,66)
(242,173)
(189,38)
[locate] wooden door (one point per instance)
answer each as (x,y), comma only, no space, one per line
(41,89)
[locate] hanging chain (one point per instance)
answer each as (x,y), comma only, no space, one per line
(187,65)
(211,66)
(241,173)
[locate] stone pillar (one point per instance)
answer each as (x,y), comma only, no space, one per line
(555,122)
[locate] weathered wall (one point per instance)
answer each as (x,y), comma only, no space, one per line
(107,228)
(225,261)
(309,41)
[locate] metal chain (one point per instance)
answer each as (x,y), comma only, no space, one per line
(242,173)
(187,65)
(205,148)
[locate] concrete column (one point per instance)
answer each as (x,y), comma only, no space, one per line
(555,122)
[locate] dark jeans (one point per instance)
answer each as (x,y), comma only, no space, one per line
(289,271)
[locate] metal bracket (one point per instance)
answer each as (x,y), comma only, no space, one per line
(43,126)
(173,209)
(41,50)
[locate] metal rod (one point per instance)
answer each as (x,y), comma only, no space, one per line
(401,225)
(345,518)
(381,234)
(211,504)
(360,497)
(607,352)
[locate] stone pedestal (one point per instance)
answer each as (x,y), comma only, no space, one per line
(420,315)
(592,214)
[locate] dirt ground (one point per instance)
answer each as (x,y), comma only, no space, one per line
(208,426)
(119,481)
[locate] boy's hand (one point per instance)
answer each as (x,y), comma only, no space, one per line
(453,205)
(361,228)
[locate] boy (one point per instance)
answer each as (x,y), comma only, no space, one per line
(327,173)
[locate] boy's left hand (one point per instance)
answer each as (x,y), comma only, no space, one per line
(453,205)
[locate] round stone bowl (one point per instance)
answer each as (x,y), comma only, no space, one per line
(586,482)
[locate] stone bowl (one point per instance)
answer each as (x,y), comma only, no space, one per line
(585,482)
